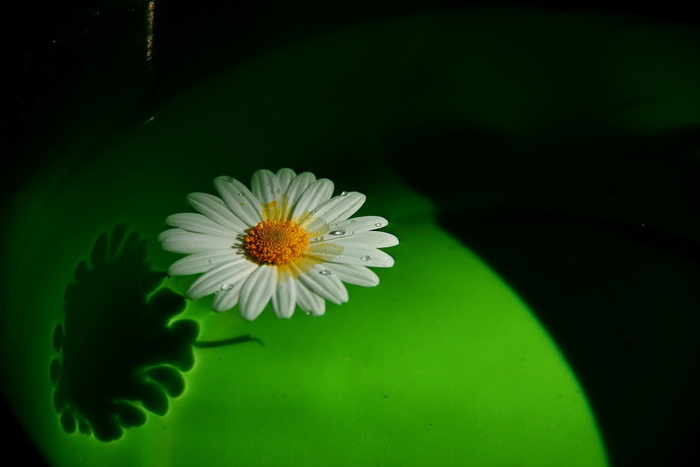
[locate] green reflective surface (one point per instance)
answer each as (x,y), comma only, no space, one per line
(443,363)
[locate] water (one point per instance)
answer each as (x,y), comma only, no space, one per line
(517,280)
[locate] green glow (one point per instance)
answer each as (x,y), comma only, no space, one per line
(441,361)
(440,364)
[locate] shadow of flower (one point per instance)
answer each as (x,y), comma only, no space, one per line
(119,353)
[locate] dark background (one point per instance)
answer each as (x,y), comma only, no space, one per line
(66,62)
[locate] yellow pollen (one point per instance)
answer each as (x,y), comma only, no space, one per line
(276,242)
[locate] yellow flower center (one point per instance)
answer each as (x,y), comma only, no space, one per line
(276,242)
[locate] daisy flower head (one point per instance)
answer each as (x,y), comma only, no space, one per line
(286,240)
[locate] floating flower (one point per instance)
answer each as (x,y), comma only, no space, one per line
(288,240)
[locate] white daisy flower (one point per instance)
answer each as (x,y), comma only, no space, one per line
(287,241)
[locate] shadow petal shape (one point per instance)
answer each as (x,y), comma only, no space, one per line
(118,355)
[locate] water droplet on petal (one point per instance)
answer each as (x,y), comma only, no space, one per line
(344,193)
(366,258)
(378,224)
(240,194)
(226,286)
(313,211)
(318,239)
(325,272)
(337,232)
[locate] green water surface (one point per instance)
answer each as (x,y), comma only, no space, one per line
(441,364)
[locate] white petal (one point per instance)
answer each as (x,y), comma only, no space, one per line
(239,199)
(199,223)
(347,205)
(298,185)
(200,262)
(326,285)
(353,274)
(256,292)
(224,300)
(359,224)
(215,209)
(309,301)
(318,192)
(285,176)
(334,210)
(284,299)
(323,251)
(215,279)
(266,186)
(370,239)
(182,241)
(363,256)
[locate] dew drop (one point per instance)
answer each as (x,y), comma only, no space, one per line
(378,224)
(337,232)
(325,272)
(240,194)
(226,286)
(318,239)
(344,193)
(313,211)
(366,258)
